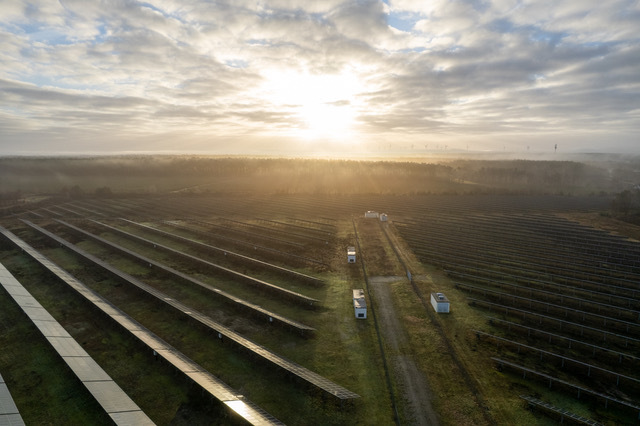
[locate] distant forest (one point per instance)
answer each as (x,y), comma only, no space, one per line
(121,176)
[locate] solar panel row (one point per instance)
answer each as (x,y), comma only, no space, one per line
(269,315)
(218,389)
(109,395)
(298,370)
(9,415)
(199,244)
(293,295)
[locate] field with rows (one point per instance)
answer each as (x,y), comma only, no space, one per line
(252,291)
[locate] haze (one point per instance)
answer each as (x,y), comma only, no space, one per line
(316,78)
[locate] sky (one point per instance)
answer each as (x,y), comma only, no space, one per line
(335,77)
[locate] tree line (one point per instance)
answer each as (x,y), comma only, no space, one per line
(107,176)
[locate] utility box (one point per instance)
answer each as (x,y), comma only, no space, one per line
(351,254)
(359,303)
(440,303)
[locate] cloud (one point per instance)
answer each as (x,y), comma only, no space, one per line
(452,71)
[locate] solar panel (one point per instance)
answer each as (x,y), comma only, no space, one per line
(11,420)
(14,290)
(86,369)
(309,376)
(178,360)
(213,385)
(26,300)
(106,307)
(7,406)
(132,418)
(51,328)
(208,247)
(125,321)
(108,394)
(111,397)
(67,346)
(255,281)
(248,411)
(9,414)
(37,313)
(150,340)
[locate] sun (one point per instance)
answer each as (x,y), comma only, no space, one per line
(330,120)
(317,106)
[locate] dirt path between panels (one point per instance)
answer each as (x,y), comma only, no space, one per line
(412,393)
(415,393)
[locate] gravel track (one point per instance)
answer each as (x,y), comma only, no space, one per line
(415,391)
(414,394)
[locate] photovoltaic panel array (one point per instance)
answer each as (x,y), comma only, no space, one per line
(307,375)
(9,415)
(237,404)
(272,316)
(293,295)
(304,277)
(107,393)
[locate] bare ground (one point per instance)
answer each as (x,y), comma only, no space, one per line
(411,381)
(383,266)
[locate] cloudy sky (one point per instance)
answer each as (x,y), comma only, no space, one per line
(287,76)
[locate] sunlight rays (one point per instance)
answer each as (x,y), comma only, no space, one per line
(320,106)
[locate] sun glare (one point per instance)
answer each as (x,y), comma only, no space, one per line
(320,106)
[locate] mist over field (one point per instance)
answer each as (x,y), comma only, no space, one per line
(465,174)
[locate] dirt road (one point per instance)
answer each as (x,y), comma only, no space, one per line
(413,393)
